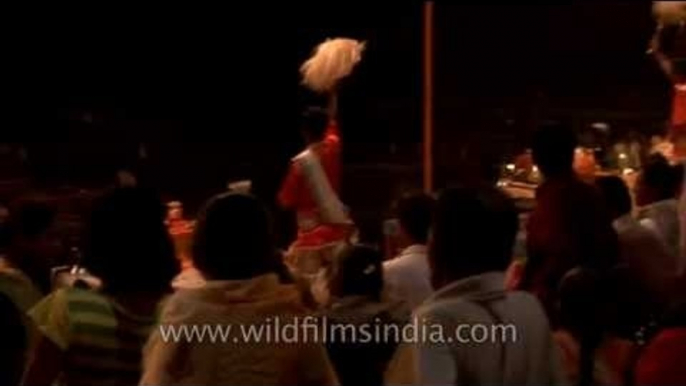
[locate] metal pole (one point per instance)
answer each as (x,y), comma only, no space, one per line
(428,97)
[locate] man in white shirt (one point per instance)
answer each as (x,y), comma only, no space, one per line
(471,244)
(406,277)
(641,249)
(657,190)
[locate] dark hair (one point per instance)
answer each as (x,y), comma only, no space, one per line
(473,232)
(662,178)
(553,149)
(128,245)
(233,239)
(314,123)
(358,272)
(615,194)
(30,217)
(414,214)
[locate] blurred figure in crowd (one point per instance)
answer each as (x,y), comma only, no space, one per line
(14,340)
(585,164)
(407,276)
(473,235)
(311,188)
(233,249)
(641,249)
(94,338)
(32,248)
(657,189)
(569,226)
(356,289)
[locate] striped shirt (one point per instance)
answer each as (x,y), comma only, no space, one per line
(102,341)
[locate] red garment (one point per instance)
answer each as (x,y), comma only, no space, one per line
(679,106)
(295,192)
(664,360)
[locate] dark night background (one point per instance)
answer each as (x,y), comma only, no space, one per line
(83,96)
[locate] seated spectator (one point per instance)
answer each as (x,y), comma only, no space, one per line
(191,277)
(14,342)
(234,251)
(407,276)
(569,226)
(31,249)
(641,249)
(90,337)
(473,235)
(662,361)
(356,289)
(657,190)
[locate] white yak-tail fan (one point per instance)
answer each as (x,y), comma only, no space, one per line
(670,12)
(332,61)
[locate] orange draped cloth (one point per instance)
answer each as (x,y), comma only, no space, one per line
(295,194)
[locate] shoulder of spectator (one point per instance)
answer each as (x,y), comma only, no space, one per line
(438,311)
(51,317)
(392,266)
(527,301)
(649,224)
(179,307)
(396,272)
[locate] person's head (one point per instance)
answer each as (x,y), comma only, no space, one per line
(358,272)
(657,182)
(473,232)
(313,124)
(553,149)
(127,243)
(33,243)
(233,239)
(615,194)
(414,215)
